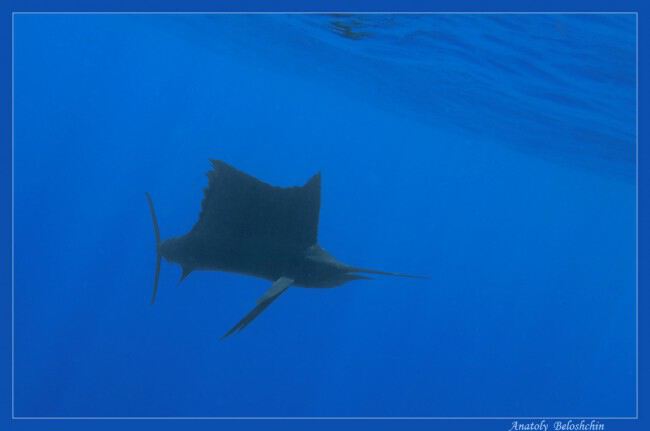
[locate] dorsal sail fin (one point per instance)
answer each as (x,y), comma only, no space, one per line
(239,207)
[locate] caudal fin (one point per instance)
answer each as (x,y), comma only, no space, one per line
(156,231)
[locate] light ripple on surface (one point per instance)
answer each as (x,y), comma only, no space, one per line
(559,86)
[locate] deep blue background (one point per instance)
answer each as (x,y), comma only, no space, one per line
(549,259)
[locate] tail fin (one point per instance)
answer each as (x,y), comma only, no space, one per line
(156,231)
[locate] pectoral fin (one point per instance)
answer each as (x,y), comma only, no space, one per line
(280,285)
(277,288)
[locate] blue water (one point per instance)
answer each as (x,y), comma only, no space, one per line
(495,153)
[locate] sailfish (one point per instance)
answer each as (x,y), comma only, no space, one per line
(250,227)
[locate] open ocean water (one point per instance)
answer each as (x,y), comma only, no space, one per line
(494,153)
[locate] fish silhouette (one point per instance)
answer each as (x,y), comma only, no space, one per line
(249,227)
